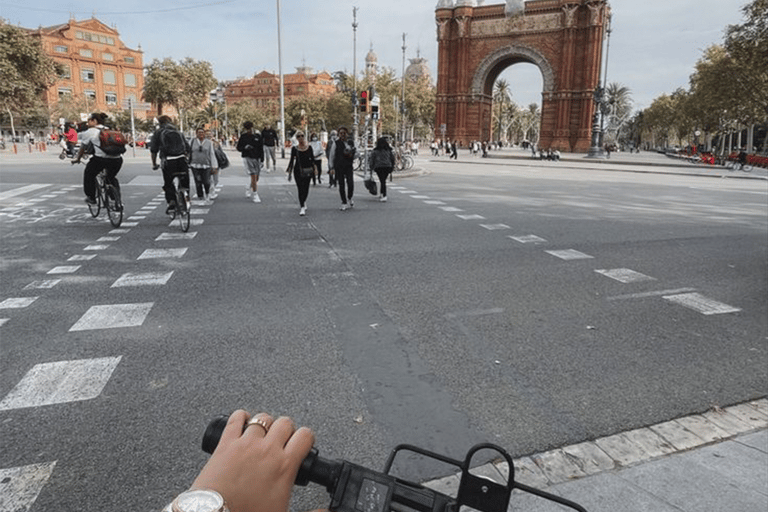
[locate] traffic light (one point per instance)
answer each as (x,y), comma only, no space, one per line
(364,101)
(375,111)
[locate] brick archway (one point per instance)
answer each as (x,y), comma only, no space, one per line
(563,38)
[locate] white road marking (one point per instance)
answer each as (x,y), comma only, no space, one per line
(21,190)
(474,216)
(199,211)
(176,236)
(112,316)
(108,239)
(528,239)
(3,320)
(434,202)
(403,191)
(192,222)
(451,209)
(129,224)
(157,278)
(494,227)
(625,275)
(651,294)
(81,257)
(21,485)
(45,284)
(570,254)
(65,269)
(96,247)
(17,302)
(162,253)
(119,231)
(61,382)
(136,217)
(419,197)
(702,304)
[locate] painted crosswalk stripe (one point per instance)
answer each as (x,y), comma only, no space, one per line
(108,239)
(199,211)
(192,222)
(96,247)
(17,302)
(176,236)
(528,239)
(162,253)
(64,269)
(702,304)
(20,486)
(570,254)
(495,227)
(112,316)
(136,217)
(3,320)
(451,209)
(625,275)
(44,284)
(21,190)
(81,257)
(405,191)
(419,197)
(473,216)
(129,279)
(61,382)
(130,224)
(119,231)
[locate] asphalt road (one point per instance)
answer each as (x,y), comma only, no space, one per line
(527,304)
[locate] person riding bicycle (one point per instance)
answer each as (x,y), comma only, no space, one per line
(89,141)
(252,469)
(742,158)
(173,148)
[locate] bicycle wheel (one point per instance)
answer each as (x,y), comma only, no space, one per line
(95,208)
(114,206)
(408,162)
(182,208)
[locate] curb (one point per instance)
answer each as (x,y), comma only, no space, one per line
(622,450)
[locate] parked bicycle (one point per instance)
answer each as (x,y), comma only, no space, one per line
(353,488)
(403,161)
(107,197)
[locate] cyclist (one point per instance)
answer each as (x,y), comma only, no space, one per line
(173,149)
(252,469)
(89,141)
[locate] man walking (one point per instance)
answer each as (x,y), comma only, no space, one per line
(251,148)
(269,136)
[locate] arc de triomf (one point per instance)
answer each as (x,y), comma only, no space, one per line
(564,38)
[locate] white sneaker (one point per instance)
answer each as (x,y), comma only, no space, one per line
(256,198)
(351,203)
(303,211)
(383,199)
(248,192)
(344,207)
(213,194)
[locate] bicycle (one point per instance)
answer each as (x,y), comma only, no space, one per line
(403,161)
(107,197)
(182,205)
(353,487)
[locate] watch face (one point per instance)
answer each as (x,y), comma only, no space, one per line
(199,501)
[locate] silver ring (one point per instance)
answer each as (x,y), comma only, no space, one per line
(260,422)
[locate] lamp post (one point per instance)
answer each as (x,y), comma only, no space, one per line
(282,92)
(602,108)
(354,73)
(402,101)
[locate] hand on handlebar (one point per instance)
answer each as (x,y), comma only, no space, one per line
(254,467)
(155,167)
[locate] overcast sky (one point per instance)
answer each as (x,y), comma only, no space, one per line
(653,47)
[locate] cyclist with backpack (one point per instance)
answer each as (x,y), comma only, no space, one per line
(106,155)
(173,149)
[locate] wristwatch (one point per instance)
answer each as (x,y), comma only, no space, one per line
(199,500)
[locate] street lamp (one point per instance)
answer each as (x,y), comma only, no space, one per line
(402,102)
(282,91)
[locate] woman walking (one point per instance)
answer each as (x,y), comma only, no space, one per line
(302,168)
(317,148)
(382,160)
(203,162)
(343,165)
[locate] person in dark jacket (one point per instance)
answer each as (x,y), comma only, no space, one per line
(382,161)
(173,149)
(251,148)
(343,165)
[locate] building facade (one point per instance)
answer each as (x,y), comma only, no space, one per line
(97,66)
(264,88)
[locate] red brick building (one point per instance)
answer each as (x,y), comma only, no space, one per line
(264,88)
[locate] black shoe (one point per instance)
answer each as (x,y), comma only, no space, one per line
(171,209)
(90,200)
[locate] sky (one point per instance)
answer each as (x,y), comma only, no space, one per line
(654,44)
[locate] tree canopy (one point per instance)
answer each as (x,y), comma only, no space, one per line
(184,85)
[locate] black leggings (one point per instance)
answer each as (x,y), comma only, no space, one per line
(346,176)
(302,184)
(94,167)
(382,173)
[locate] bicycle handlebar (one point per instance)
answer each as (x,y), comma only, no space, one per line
(353,487)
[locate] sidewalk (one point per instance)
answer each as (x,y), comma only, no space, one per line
(713,462)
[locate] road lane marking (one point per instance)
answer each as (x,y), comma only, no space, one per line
(44,284)
(21,190)
(702,304)
(651,294)
(162,253)
(96,247)
(434,202)
(61,382)
(108,239)
(528,239)
(130,279)
(451,209)
(113,316)
(3,320)
(192,222)
(64,269)
(17,302)
(495,227)
(570,254)
(176,236)
(20,486)
(625,275)
(81,257)
(419,197)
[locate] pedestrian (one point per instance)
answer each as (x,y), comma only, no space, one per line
(329,152)
(317,150)
(343,163)
(173,148)
(454,150)
(202,160)
(220,165)
(382,161)
(89,141)
(269,136)
(301,167)
(70,140)
(251,148)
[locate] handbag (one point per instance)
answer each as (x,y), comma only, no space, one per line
(306,172)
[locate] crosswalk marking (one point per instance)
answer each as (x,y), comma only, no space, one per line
(528,239)
(162,253)
(61,382)
(434,202)
(96,247)
(129,279)
(419,197)
(20,486)
(570,254)
(3,320)
(21,190)
(112,316)
(44,284)
(451,209)
(17,302)
(625,275)
(108,239)
(64,269)
(129,224)
(176,236)
(81,257)
(702,304)
(494,227)
(192,222)
(473,216)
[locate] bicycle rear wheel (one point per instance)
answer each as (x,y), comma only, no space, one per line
(95,208)
(182,209)
(114,205)
(408,162)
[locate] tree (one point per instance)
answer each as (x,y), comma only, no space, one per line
(26,72)
(502,97)
(619,101)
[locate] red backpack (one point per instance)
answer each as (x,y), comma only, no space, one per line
(112,142)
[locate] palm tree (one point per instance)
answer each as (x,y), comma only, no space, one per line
(619,99)
(501,95)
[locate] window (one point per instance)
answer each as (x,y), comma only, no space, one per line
(86,53)
(66,71)
(90,94)
(109,77)
(88,75)
(64,91)
(110,98)
(60,48)
(130,60)
(108,56)
(130,80)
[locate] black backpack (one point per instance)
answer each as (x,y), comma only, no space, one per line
(173,143)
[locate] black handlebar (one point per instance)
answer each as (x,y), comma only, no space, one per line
(353,488)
